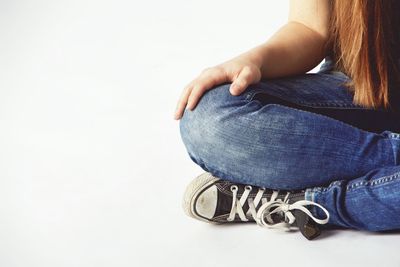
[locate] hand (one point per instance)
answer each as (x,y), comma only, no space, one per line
(241,71)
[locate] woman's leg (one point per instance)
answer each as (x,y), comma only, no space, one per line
(247,139)
(370,202)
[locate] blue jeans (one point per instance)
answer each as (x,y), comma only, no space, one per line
(303,132)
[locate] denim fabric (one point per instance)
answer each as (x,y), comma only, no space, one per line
(303,132)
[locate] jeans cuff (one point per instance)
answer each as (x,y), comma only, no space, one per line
(310,195)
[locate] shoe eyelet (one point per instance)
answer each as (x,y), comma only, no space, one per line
(248,187)
(234,188)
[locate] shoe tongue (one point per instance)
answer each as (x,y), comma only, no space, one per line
(225,199)
(224,204)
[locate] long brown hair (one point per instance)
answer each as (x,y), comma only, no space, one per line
(362,38)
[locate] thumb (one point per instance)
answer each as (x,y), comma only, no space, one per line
(242,81)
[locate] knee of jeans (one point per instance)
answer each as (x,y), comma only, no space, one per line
(198,127)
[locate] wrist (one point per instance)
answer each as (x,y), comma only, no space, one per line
(258,55)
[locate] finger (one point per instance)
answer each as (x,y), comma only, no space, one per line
(243,80)
(182,102)
(195,95)
(206,83)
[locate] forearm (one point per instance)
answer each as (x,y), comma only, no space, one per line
(293,49)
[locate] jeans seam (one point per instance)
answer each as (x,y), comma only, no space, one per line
(314,191)
(316,114)
(376,182)
(331,104)
(250,95)
(394,135)
(325,104)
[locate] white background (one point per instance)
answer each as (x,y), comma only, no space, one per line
(92,167)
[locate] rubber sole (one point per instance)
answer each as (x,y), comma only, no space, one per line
(192,191)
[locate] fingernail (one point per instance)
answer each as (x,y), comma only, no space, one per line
(233,88)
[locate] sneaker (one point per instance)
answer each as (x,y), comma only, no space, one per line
(214,200)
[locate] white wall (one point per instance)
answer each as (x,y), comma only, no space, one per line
(92,168)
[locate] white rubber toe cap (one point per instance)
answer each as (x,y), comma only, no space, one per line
(206,203)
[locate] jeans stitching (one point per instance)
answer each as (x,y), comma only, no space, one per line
(326,104)
(331,104)
(332,184)
(320,115)
(394,135)
(375,182)
(250,95)
(380,181)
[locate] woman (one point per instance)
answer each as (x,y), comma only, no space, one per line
(284,147)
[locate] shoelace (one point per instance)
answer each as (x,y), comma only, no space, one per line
(263,215)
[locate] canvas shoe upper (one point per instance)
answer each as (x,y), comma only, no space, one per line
(211,199)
